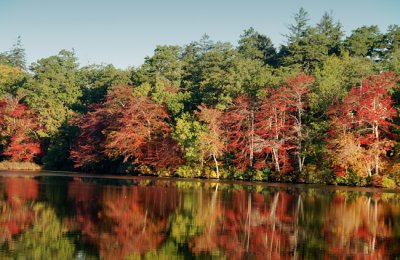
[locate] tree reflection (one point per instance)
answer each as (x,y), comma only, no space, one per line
(158,219)
(249,225)
(125,220)
(45,239)
(30,230)
(19,190)
(16,212)
(358,228)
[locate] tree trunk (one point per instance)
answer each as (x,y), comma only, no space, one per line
(377,152)
(299,133)
(251,138)
(301,162)
(276,160)
(216,165)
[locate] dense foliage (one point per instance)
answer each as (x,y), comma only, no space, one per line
(321,108)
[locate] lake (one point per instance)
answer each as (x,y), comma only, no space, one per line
(70,216)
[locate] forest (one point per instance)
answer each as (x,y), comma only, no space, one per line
(321,108)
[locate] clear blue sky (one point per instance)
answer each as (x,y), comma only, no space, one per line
(124,32)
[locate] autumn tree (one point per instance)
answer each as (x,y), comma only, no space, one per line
(211,140)
(348,154)
(142,135)
(18,128)
(281,123)
(128,127)
(297,89)
(88,148)
(274,126)
(367,112)
(239,121)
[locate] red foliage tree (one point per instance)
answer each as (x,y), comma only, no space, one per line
(367,113)
(89,146)
(134,128)
(296,90)
(239,123)
(143,135)
(275,126)
(280,130)
(18,126)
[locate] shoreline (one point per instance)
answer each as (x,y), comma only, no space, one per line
(329,187)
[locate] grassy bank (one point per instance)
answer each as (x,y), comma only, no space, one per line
(20,166)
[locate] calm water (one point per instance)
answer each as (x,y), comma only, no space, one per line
(67,217)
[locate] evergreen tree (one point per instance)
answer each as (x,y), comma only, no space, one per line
(332,31)
(253,45)
(366,41)
(165,64)
(15,57)
(54,89)
(300,26)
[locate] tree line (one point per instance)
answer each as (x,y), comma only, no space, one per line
(321,108)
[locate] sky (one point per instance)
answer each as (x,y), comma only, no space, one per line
(124,32)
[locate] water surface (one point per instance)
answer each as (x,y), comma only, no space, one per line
(63,216)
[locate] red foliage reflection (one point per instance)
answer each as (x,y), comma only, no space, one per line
(16,214)
(122,220)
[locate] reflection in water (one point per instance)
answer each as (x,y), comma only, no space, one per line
(359,227)
(47,217)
